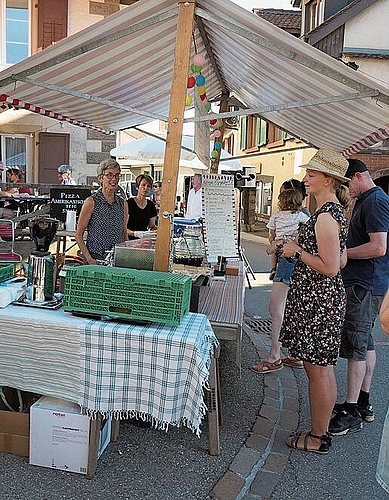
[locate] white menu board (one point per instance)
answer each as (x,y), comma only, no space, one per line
(219,216)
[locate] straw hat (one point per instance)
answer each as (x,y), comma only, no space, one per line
(329,162)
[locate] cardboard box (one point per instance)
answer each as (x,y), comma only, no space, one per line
(59,435)
(232,270)
(14,425)
(14,433)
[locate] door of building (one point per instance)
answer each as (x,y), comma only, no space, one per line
(53,151)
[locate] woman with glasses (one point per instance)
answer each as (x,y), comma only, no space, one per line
(141,210)
(104,215)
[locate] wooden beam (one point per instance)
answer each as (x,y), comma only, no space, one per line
(215,161)
(186,10)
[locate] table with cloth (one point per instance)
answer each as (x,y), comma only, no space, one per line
(151,371)
(223,303)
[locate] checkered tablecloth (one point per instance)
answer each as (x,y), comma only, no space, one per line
(154,372)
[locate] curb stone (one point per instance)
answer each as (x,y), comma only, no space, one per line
(258,466)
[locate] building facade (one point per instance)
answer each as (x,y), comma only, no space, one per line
(354,31)
(33,142)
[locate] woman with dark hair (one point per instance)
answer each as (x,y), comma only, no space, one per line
(14,174)
(157,194)
(141,210)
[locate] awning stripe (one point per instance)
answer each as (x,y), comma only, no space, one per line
(370,140)
(18,104)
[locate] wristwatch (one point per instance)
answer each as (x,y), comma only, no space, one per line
(298,254)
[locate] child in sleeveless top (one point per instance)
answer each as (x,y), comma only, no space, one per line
(285,223)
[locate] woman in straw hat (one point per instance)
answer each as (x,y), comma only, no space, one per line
(316,301)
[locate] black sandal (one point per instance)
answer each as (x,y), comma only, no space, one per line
(324,448)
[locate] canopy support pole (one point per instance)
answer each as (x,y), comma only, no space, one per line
(186,10)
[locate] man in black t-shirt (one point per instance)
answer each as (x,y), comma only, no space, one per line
(366,278)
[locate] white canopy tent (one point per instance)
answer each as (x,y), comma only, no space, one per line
(132,67)
(118,73)
(149,150)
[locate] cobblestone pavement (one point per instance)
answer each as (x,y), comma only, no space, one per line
(256,469)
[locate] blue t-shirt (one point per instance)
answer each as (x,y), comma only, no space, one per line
(370,215)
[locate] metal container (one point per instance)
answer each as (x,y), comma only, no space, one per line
(40,277)
(135,254)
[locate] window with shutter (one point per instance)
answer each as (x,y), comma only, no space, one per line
(286,135)
(52,22)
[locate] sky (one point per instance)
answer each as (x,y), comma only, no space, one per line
(265,4)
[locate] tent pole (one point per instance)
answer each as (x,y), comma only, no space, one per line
(186,10)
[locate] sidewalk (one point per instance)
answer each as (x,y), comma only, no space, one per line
(257,468)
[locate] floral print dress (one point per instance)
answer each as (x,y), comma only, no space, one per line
(316,304)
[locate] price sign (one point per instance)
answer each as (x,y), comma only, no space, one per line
(219,215)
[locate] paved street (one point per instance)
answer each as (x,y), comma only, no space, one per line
(258,413)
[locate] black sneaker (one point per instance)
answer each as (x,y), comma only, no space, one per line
(366,413)
(338,407)
(343,422)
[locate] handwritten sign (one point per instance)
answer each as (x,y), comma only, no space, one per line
(219,214)
(64,199)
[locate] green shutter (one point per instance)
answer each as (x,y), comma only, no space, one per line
(261,134)
(243,133)
(286,135)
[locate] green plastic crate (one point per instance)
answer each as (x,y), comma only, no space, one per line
(127,293)
(6,272)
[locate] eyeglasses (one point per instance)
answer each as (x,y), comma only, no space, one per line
(156,185)
(111,176)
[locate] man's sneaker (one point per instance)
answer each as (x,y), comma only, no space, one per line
(343,422)
(338,407)
(366,413)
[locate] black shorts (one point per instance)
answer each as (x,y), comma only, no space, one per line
(361,311)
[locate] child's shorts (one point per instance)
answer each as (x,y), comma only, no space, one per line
(284,270)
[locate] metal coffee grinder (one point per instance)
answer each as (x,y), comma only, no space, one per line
(40,277)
